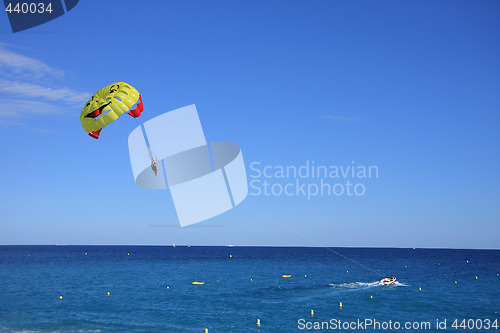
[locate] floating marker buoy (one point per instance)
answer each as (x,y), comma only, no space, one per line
(476,277)
(217,281)
(312,312)
(85,253)
(455,282)
(128,254)
(467,261)
(251,280)
(198,283)
(258,322)
(60,297)
(230,256)
(305,275)
(285,276)
(206,330)
(168,287)
(406,266)
(347,272)
(419,289)
(340,305)
(371,296)
(108,293)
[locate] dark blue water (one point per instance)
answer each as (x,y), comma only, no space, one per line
(250,287)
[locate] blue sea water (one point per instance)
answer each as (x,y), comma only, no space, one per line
(250,287)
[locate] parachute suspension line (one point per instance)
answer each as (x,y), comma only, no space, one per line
(127,125)
(134,112)
(152,156)
(309,239)
(121,130)
(115,134)
(111,138)
(122,127)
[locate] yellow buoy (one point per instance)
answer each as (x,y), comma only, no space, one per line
(312,312)
(467,261)
(258,322)
(128,254)
(60,297)
(230,256)
(305,275)
(419,289)
(476,277)
(371,296)
(340,305)
(406,266)
(206,330)
(286,276)
(347,272)
(198,282)
(108,293)
(251,280)
(168,287)
(85,253)
(455,282)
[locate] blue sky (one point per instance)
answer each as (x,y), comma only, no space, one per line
(410,87)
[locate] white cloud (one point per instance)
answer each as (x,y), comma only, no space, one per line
(35,91)
(346,119)
(30,87)
(20,64)
(12,111)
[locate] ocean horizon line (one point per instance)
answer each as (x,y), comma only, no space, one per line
(258,246)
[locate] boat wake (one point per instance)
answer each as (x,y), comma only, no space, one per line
(364,285)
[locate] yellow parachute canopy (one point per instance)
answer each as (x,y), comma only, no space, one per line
(107,105)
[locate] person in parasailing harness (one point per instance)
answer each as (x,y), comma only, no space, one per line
(154,165)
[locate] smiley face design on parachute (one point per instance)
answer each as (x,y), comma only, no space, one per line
(107,104)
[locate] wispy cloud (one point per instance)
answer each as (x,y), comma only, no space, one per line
(13,111)
(37,91)
(30,87)
(346,119)
(20,64)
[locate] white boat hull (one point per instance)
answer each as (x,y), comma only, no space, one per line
(388,281)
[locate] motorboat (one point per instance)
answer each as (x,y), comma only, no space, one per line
(387,281)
